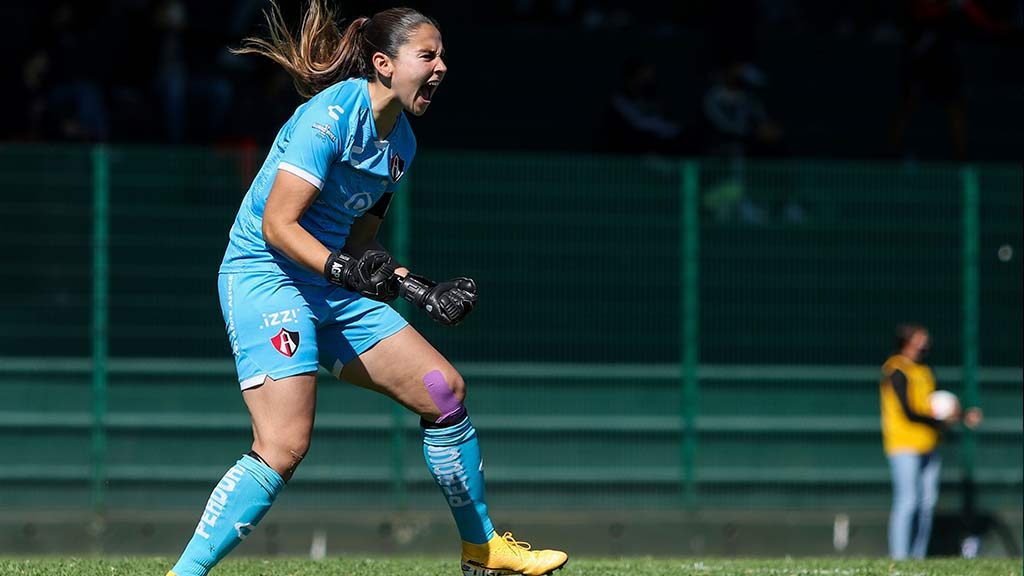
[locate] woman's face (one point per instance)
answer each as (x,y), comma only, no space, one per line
(918,344)
(418,69)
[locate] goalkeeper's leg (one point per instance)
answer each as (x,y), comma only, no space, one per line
(282,418)
(407,368)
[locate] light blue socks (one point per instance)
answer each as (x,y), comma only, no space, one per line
(236,505)
(453,457)
(249,488)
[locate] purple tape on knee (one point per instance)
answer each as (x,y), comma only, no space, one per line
(452,411)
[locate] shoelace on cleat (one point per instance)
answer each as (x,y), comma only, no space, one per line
(507,537)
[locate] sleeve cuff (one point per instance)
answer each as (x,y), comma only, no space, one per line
(292,169)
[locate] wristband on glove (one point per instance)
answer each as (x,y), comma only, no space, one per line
(338,267)
(414,288)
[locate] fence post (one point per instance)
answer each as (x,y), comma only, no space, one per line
(401,231)
(100,247)
(689,312)
(970,231)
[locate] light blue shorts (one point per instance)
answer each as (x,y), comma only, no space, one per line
(279,327)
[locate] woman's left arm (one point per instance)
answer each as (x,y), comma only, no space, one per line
(362,236)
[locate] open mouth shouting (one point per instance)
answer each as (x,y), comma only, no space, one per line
(426,92)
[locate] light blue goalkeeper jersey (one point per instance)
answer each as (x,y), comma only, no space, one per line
(332,143)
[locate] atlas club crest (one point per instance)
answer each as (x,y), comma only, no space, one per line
(396,167)
(286,342)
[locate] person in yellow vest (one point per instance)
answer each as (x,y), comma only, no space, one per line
(911,434)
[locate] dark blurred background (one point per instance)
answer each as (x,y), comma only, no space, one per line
(907,79)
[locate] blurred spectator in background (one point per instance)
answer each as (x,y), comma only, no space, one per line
(156,71)
(737,126)
(635,121)
(911,435)
(169,22)
(63,80)
(738,123)
(932,68)
(194,93)
(30,98)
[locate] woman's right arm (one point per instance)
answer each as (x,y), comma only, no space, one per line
(899,387)
(290,197)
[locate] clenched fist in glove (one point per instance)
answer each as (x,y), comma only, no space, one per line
(447,302)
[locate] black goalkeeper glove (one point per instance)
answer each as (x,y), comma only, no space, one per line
(372,274)
(448,302)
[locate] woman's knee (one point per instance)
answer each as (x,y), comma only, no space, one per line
(458,386)
(283,452)
(447,392)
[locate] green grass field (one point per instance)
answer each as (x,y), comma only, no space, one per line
(580,567)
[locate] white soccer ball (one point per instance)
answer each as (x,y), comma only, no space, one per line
(944,404)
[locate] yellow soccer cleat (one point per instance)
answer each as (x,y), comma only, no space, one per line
(505,556)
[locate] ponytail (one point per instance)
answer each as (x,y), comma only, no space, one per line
(322,55)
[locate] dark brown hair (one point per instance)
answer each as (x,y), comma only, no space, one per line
(322,54)
(904,332)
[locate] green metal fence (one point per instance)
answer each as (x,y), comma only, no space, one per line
(652,333)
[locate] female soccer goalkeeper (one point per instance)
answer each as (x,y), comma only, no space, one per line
(304,280)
